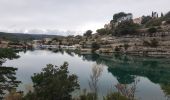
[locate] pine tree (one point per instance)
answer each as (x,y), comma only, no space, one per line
(162,14)
(157,16)
(152,13)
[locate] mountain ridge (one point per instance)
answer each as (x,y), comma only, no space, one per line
(25,37)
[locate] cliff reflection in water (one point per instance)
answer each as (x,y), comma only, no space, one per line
(127,68)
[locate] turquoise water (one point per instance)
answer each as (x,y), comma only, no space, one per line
(151,74)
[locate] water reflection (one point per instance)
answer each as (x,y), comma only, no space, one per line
(126,68)
(94,79)
(154,73)
(127,90)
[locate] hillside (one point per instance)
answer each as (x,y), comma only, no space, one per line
(25,37)
(146,35)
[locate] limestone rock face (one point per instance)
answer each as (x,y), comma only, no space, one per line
(158,44)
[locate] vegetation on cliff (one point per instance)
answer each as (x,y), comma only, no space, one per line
(119,25)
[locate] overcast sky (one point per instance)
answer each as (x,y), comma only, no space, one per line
(70,15)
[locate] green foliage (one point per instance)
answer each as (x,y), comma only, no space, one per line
(130,28)
(146,43)
(16,42)
(115,96)
(126,46)
(154,22)
(57,39)
(103,31)
(166,88)
(168,21)
(167,16)
(7,80)
(87,96)
(151,43)
(126,27)
(49,42)
(7,74)
(146,19)
(54,83)
(118,16)
(24,37)
(152,30)
(154,43)
(95,46)
(7,53)
(88,33)
(30,96)
(162,15)
(117,49)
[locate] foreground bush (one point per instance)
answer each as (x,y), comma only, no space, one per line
(53,83)
(115,96)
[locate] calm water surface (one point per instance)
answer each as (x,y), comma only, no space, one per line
(153,73)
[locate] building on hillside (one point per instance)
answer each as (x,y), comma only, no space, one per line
(137,20)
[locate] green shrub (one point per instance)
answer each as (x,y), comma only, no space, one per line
(168,21)
(126,27)
(88,33)
(154,43)
(126,46)
(7,53)
(115,96)
(151,43)
(146,43)
(154,22)
(95,46)
(152,30)
(117,49)
(145,19)
(53,83)
(103,31)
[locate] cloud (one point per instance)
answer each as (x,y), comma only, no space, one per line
(74,15)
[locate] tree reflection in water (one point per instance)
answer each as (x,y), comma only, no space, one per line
(128,90)
(93,84)
(94,79)
(125,68)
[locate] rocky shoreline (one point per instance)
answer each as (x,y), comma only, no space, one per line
(134,45)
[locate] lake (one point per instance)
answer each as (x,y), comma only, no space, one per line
(151,76)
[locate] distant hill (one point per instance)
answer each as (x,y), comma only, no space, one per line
(25,37)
